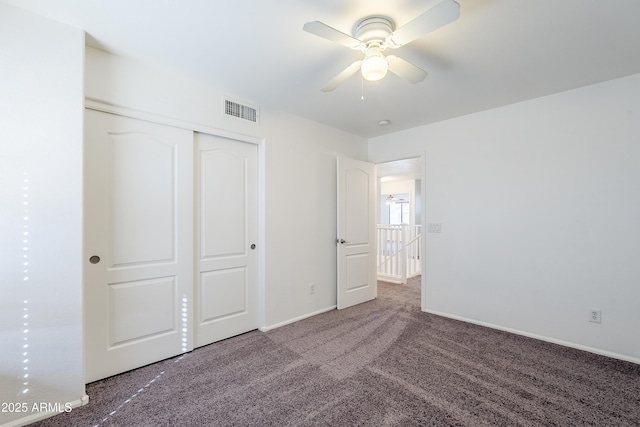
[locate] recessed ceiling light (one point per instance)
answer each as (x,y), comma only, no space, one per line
(384,122)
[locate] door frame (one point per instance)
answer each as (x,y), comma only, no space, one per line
(94,104)
(423,208)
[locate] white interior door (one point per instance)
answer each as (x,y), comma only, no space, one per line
(227,254)
(138,243)
(356,232)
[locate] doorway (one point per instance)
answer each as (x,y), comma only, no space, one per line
(399,220)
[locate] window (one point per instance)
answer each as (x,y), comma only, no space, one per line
(398,209)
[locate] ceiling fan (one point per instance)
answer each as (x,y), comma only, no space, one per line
(373,34)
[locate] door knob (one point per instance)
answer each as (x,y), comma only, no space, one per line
(253,246)
(94,259)
(341,241)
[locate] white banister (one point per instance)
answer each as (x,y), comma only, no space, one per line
(399,252)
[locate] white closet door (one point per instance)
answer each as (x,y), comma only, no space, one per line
(227,252)
(139,243)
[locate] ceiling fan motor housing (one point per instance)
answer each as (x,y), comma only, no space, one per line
(373,29)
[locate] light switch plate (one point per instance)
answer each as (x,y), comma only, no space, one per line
(434,227)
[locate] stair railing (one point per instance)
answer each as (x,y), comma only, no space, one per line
(399,249)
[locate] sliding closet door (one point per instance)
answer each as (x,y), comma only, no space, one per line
(139,243)
(226,249)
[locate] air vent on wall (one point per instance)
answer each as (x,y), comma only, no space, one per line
(242,111)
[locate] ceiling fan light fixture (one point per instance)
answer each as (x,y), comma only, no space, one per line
(375,65)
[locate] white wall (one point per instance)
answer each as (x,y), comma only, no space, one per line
(41,107)
(300,175)
(540,209)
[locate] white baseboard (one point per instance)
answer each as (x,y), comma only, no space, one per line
(296,319)
(390,279)
(38,416)
(539,337)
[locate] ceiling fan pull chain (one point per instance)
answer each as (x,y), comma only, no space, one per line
(362,88)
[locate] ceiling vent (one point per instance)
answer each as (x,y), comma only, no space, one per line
(241,111)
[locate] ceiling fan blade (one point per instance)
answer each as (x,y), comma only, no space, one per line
(406,70)
(323,30)
(438,16)
(344,75)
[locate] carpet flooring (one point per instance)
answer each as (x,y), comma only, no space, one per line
(381,363)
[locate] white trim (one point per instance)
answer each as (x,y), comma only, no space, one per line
(95,104)
(389,279)
(39,416)
(425,236)
(262,235)
(538,337)
(296,319)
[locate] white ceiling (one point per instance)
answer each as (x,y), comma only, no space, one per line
(498,51)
